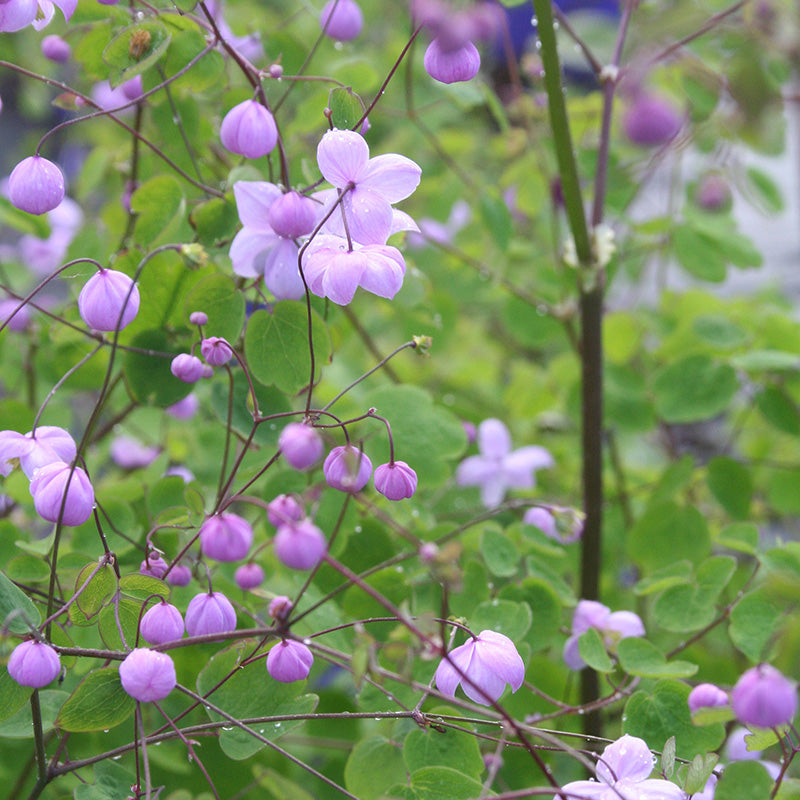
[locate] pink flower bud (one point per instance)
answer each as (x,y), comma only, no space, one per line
(300,545)
(130,453)
(341,20)
(280,607)
(36,185)
(198,318)
(470,430)
(147,675)
(249,130)
(452,65)
(161,623)
(216,351)
(395,481)
(301,445)
(347,469)
(185,408)
(226,537)
(207,371)
(706,695)
(248,576)
(21,318)
(56,49)
(713,193)
(542,519)
(154,566)
(49,486)
(187,368)
(283,509)
(34,664)
(209,614)
(108,301)
(179,575)
(651,121)
(275,71)
(289,661)
(428,552)
(764,697)
(292,215)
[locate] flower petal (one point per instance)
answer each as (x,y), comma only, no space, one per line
(592,790)
(629,758)
(249,250)
(402,222)
(384,275)
(589,614)
(475,471)
(343,276)
(571,654)
(281,274)
(493,491)
(393,177)
(658,789)
(520,465)
(494,440)
(341,155)
(624,623)
(506,662)
(253,199)
(369,216)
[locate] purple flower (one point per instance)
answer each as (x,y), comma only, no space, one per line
(48,445)
(347,469)
(185,408)
(187,368)
(341,19)
(198,318)
(130,453)
(248,576)
(109,301)
(56,49)
(34,664)
(249,130)
(147,675)
(292,215)
(300,545)
(289,661)
(483,666)
(226,537)
(765,698)
(179,575)
(301,445)
(713,192)
(431,230)
(545,520)
(613,627)
(284,509)
(35,185)
(259,249)
(396,480)
(208,613)
(248,46)
(58,484)
(372,184)
(154,566)
(497,469)
(651,120)
(623,771)
(280,607)
(18,14)
(216,351)
(161,623)
(706,695)
(43,256)
(13,316)
(452,65)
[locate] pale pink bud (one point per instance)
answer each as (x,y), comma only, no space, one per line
(651,121)
(154,566)
(36,185)
(210,613)
(187,368)
(301,445)
(347,469)
(179,575)
(283,509)
(300,545)
(275,71)
(109,301)
(396,480)
(161,623)
(292,215)
(280,607)
(341,20)
(56,49)
(248,576)
(216,351)
(198,318)
(249,130)
(706,695)
(765,698)
(49,486)
(289,661)
(34,664)
(226,537)
(454,65)
(147,675)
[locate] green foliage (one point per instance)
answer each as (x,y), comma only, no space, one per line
(360,774)
(744,779)
(98,703)
(16,610)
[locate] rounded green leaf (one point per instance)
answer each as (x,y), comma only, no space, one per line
(754,620)
(592,650)
(502,616)
(744,780)
(640,657)
(159,205)
(346,107)
(98,703)
(224,304)
(17,612)
(444,783)
(779,410)
(449,748)
(500,553)
(694,388)
(372,767)
(666,533)
(732,485)
(148,377)
(135,49)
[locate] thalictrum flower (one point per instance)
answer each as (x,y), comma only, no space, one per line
(623,773)
(284,508)
(35,185)
(301,445)
(216,351)
(453,65)
(130,453)
(34,664)
(483,666)
(18,14)
(61,492)
(395,480)
(498,469)
(341,19)
(147,675)
(109,300)
(56,49)
(155,566)
(651,120)
(226,537)
(208,613)
(706,695)
(289,661)
(248,576)
(187,368)
(347,469)
(764,697)
(161,623)
(612,626)
(249,129)
(48,444)
(300,545)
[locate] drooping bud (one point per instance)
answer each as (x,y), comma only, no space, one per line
(109,300)
(651,120)
(396,480)
(185,408)
(56,49)
(34,664)
(36,185)
(341,19)
(284,509)
(292,215)
(706,695)
(130,453)
(187,368)
(210,613)
(161,623)
(713,192)
(347,469)
(198,318)
(301,445)
(180,575)
(216,351)
(280,607)
(226,537)
(764,697)
(147,675)
(300,545)
(58,485)
(542,519)
(154,566)
(249,130)
(248,576)
(289,661)
(453,65)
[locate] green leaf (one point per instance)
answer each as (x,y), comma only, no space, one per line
(699,772)
(545,607)
(98,592)
(444,783)
(698,254)
(663,711)
(215,221)
(27,568)
(128,612)
(732,485)
(346,108)
(712,715)
(672,575)
(754,620)
(159,205)
(694,388)
(278,786)
(142,586)
(135,49)
(744,780)
(783,490)
(98,703)
(741,536)
(496,218)
(148,377)
(779,409)
(666,533)
(224,304)
(639,657)
(766,361)
(33,224)
(185,45)
(361,775)
(456,749)
(276,346)
(503,616)
(12,695)
(500,553)
(593,651)
(763,191)
(14,601)
(719,331)
(111,782)
(668,758)
(19,726)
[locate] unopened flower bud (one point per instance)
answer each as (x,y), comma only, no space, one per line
(301,445)
(130,453)
(280,607)
(764,697)
(109,300)
(706,695)
(284,509)
(187,368)
(249,130)
(36,185)
(147,675)
(713,192)
(154,566)
(651,121)
(275,71)
(56,49)
(542,519)
(248,576)
(49,486)
(210,613)
(428,552)
(34,664)
(180,575)
(452,65)
(226,537)
(161,623)
(198,318)
(292,215)
(185,408)
(347,469)
(289,661)
(300,545)
(341,20)
(396,480)
(216,351)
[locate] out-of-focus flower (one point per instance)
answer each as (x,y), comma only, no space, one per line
(300,545)
(431,230)
(56,49)
(612,627)
(43,256)
(280,607)
(301,445)
(764,697)
(21,315)
(706,695)
(547,522)
(248,45)
(341,19)
(179,575)
(289,661)
(155,566)
(185,408)
(284,509)
(226,537)
(713,192)
(651,120)
(130,453)
(248,576)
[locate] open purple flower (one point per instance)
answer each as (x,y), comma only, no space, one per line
(612,626)
(18,14)
(289,661)
(498,469)
(48,444)
(371,184)
(130,453)
(623,771)
(483,666)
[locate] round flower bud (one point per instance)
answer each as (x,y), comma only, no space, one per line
(34,664)
(713,193)
(187,368)
(341,20)
(280,607)
(292,215)
(347,469)
(651,121)
(542,519)
(764,697)
(216,351)
(249,130)
(48,487)
(198,318)
(283,509)
(108,301)
(147,675)
(226,537)
(210,613)
(180,575)
(428,552)
(396,480)
(248,576)
(161,623)
(56,49)
(36,185)
(289,661)
(301,445)
(452,65)
(470,430)
(185,408)
(300,545)
(154,566)
(706,695)
(275,71)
